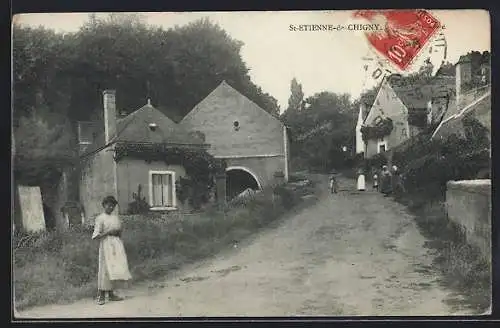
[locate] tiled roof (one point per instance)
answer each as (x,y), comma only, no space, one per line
(135,128)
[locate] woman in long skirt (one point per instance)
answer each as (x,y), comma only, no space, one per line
(113,264)
(361,180)
(386,181)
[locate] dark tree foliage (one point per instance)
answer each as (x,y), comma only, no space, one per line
(321,130)
(59,77)
(429,164)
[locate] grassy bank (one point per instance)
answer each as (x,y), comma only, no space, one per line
(462,266)
(53,267)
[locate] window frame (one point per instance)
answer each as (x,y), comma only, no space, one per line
(382,142)
(174,192)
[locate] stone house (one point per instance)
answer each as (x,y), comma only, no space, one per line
(443,101)
(411,108)
(226,124)
(103,172)
(253,143)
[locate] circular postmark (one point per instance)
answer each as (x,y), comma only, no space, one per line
(376,67)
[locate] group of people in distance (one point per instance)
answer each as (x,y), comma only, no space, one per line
(390,180)
(386,182)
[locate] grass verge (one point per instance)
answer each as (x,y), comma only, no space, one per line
(57,267)
(463,268)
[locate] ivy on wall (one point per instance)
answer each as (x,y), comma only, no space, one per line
(381,129)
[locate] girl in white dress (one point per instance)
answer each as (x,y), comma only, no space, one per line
(113,264)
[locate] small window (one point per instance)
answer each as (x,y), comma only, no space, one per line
(381,149)
(162,189)
(236,125)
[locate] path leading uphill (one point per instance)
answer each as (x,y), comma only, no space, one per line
(351,253)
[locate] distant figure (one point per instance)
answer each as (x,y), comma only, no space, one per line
(386,181)
(375,181)
(361,180)
(333,184)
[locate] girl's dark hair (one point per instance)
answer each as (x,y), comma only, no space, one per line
(109,200)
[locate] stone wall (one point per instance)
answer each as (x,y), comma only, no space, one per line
(31,210)
(97,180)
(54,196)
(468,204)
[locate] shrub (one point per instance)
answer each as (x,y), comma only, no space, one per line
(375,161)
(139,205)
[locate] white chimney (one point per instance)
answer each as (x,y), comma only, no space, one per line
(109,114)
(463,75)
(360,144)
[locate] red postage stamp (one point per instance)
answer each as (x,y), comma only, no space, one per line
(403,35)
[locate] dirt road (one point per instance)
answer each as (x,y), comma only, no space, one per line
(354,253)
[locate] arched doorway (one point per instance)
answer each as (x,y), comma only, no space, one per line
(238,179)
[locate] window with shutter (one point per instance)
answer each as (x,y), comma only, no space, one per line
(162,189)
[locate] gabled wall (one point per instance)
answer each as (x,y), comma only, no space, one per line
(388,104)
(258,134)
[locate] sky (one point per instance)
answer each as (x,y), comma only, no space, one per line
(319,60)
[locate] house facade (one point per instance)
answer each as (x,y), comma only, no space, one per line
(411,106)
(103,172)
(226,124)
(253,143)
(387,104)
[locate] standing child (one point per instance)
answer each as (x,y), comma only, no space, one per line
(375,181)
(333,184)
(113,264)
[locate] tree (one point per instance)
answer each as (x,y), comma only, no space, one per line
(176,68)
(295,102)
(44,145)
(322,131)
(446,69)
(40,63)
(427,68)
(58,78)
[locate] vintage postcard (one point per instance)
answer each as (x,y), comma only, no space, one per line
(251,164)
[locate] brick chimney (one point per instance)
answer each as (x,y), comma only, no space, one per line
(109,114)
(463,75)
